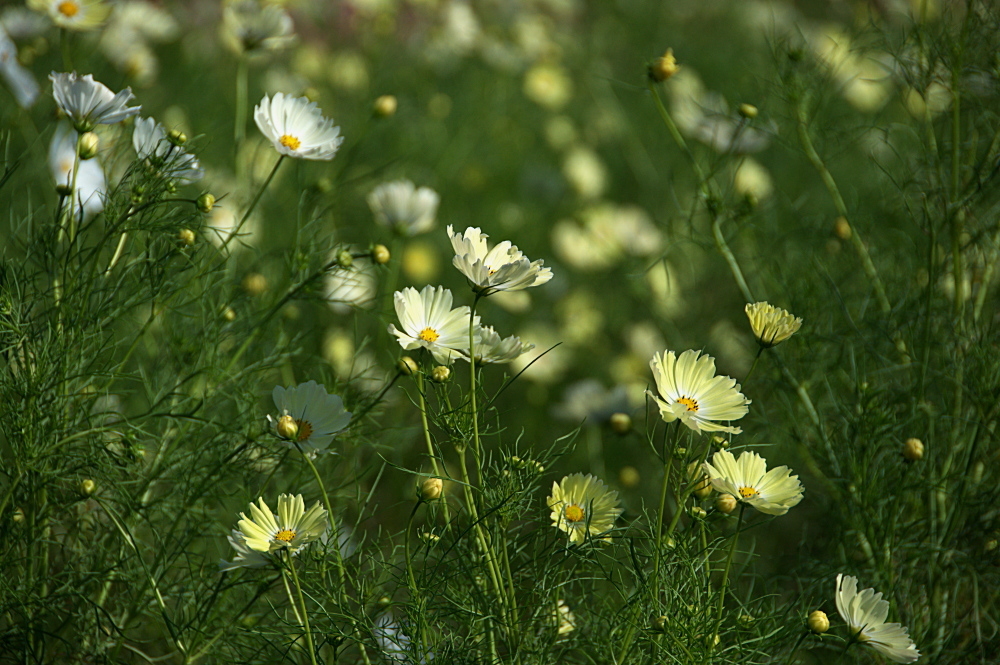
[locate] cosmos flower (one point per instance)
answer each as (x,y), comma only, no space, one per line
(492,349)
(747,479)
(691,391)
(172,161)
(91,186)
(73,14)
(771,325)
(403,208)
(245,557)
(250,26)
(308,416)
(865,614)
(296,127)
(19,80)
(429,322)
(583,507)
(292,528)
(89,103)
(503,268)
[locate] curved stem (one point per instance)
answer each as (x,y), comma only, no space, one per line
(253,204)
(725,575)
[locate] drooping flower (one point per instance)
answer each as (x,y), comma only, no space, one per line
(296,127)
(403,208)
(503,268)
(492,349)
(747,479)
(89,103)
(245,557)
(172,161)
(865,614)
(250,26)
(308,416)
(691,391)
(292,527)
(583,507)
(771,325)
(73,14)
(429,322)
(91,186)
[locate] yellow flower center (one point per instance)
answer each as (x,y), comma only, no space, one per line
(68,8)
(690,402)
(290,142)
(285,535)
(305,429)
(574,513)
(748,492)
(429,335)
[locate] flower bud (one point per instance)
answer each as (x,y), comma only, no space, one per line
(430,489)
(748,111)
(407,366)
(385,106)
(64,190)
(186,236)
(818,622)
(205,203)
(842,228)
(86,145)
(384,601)
(698,512)
(440,374)
(621,423)
(703,486)
(665,67)
(344,259)
(380,254)
(725,503)
(659,624)
(255,284)
(680,452)
(429,537)
(913,450)
(18,516)
(287,428)
(177,137)
(229,314)
(87,487)
(629,477)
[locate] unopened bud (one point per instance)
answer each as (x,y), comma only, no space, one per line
(818,622)
(177,137)
(659,624)
(665,67)
(380,254)
(64,190)
(913,450)
(186,236)
(385,106)
(87,487)
(287,428)
(725,503)
(429,537)
(703,486)
(621,423)
(440,374)
(430,489)
(229,314)
(629,477)
(205,203)
(344,259)
(86,145)
(698,512)
(384,601)
(18,516)
(407,365)
(842,228)
(748,111)
(255,284)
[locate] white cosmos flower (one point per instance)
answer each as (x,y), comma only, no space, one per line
(404,208)
(747,479)
(91,185)
(348,288)
(690,390)
(250,26)
(492,349)
(583,507)
(317,415)
(19,80)
(89,103)
(245,557)
(771,325)
(503,268)
(292,528)
(429,322)
(151,144)
(73,14)
(296,128)
(865,614)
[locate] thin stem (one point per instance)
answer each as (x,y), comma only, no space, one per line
(240,121)
(472,377)
(430,444)
(725,575)
(746,378)
(338,559)
(302,618)
(414,590)
(253,204)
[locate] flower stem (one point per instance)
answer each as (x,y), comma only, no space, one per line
(430,444)
(472,377)
(414,590)
(240,121)
(725,576)
(334,530)
(302,618)
(253,204)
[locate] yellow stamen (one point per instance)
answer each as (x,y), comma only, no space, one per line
(285,535)
(68,8)
(290,142)
(690,402)
(429,335)
(574,513)
(305,429)
(748,492)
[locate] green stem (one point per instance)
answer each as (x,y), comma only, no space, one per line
(302,618)
(760,350)
(725,576)
(334,530)
(430,444)
(253,204)
(412,578)
(240,122)
(472,377)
